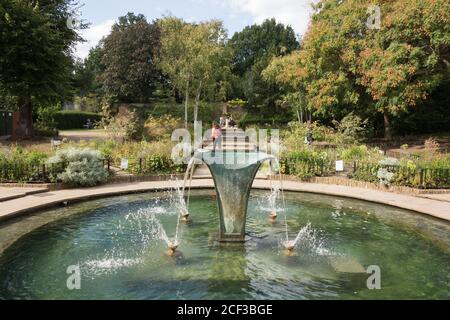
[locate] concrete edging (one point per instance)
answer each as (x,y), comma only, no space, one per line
(32,203)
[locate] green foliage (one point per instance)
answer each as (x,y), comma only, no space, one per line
(82,167)
(156,163)
(123,126)
(129,54)
(161,127)
(294,137)
(251,119)
(345,66)
(431,173)
(193,56)
(260,42)
(253,48)
(305,164)
(351,129)
(237,103)
(44,131)
(67,120)
(354,153)
(35,63)
(90,102)
(46,125)
(20,165)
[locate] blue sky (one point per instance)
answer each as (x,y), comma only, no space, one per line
(236,14)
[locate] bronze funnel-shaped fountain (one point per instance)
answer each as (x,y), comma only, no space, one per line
(233,174)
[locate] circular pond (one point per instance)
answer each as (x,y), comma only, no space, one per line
(116,245)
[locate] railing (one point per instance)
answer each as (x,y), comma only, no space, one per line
(307,168)
(419,177)
(35,173)
(424,178)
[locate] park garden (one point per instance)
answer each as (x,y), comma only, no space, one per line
(375,98)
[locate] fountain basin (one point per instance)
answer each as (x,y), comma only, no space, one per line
(119,258)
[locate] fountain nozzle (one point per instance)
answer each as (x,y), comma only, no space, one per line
(185,216)
(173,246)
(289,245)
(273,215)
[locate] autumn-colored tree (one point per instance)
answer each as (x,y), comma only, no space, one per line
(345,63)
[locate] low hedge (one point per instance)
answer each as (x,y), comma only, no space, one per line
(66,120)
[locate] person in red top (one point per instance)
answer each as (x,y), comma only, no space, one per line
(216,135)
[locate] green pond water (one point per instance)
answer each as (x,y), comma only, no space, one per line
(117,246)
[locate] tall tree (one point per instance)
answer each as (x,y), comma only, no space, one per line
(35,55)
(253,48)
(344,64)
(130,73)
(288,71)
(192,55)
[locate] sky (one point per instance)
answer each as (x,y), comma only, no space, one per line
(236,14)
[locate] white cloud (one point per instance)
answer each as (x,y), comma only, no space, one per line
(295,13)
(92,36)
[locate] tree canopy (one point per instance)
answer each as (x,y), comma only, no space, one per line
(253,48)
(344,65)
(129,59)
(192,55)
(35,54)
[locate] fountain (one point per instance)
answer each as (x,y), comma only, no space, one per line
(270,204)
(233,174)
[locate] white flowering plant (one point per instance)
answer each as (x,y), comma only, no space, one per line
(78,167)
(385,174)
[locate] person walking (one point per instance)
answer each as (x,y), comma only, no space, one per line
(216,135)
(222,121)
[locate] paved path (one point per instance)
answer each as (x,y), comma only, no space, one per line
(7,193)
(437,196)
(232,140)
(77,135)
(9,209)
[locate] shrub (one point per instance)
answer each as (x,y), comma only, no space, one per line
(155,164)
(20,165)
(80,167)
(386,177)
(389,162)
(46,125)
(305,164)
(351,129)
(157,128)
(354,153)
(44,131)
(387,171)
(66,120)
(294,138)
(431,145)
(124,126)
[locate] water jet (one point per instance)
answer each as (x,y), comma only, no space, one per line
(172,247)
